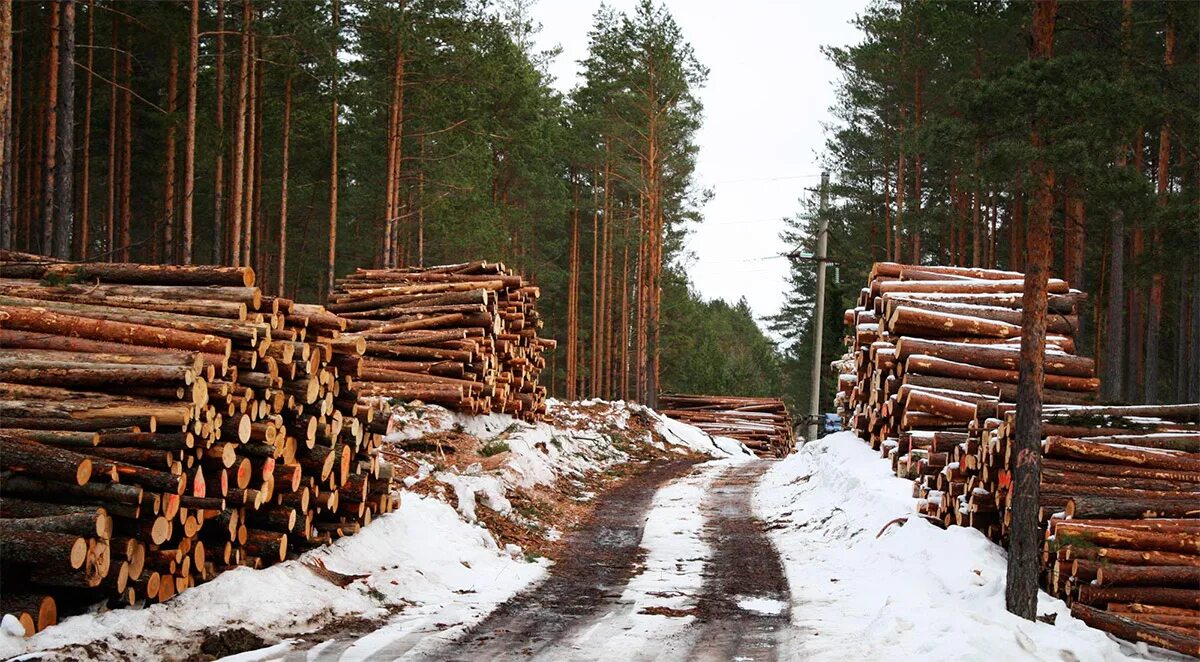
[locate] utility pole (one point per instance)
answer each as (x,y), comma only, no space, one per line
(814,402)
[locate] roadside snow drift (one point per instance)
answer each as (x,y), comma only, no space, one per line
(424,571)
(916,591)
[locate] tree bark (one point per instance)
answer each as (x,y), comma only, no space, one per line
(283,187)
(110,211)
(331,256)
(64,174)
(238,175)
(1024,533)
(1158,279)
(83,229)
(218,238)
(6,126)
(168,218)
(189,147)
(127,153)
(54,118)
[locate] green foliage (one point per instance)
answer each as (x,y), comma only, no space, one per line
(494,448)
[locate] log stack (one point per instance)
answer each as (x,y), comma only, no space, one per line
(762,424)
(464,336)
(164,423)
(930,381)
(930,343)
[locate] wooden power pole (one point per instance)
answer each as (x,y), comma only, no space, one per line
(814,398)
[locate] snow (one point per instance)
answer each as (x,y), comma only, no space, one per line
(428,571)
(765,606)
(422,558)
(913,592)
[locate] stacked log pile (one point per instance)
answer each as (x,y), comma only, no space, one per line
(1120,502)
(464,336)
(930,381)
(762,424)
(164,423)
(929,343)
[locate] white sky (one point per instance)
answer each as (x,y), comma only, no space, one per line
(768,94)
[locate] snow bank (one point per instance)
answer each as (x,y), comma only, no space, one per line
(917,591)
(422,557)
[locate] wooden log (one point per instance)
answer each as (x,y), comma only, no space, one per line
(1095,506)
(1126,538)
(50,551)
(42,320)
(1127,628)
(992,356)
(116,272)
(1147,575)
(1065,447)
(1090,594)
(34,459)
(35,611)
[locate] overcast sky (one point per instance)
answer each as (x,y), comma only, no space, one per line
(767,98)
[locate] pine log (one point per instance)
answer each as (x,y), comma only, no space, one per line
(1095,506)
(1132,630)
(39,460)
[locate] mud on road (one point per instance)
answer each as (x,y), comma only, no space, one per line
(604,553)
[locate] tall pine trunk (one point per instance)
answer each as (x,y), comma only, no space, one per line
(1026,465)
(7,130)
(64,174)
(333,160)
(110,211)
(249,155)
(54,118)
(168,217)
(281,266)
(83,226)
(127,153)
(189,140)
(1158,279)
(238,175)
(218,238)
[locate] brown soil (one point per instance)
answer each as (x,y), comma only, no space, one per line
(604,554)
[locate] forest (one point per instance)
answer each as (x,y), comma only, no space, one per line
(933,163)
(306,138)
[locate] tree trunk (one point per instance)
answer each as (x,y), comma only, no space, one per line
(1025,531)
(7,126)
(54,118)
(238,175)
(1158,279)
(331,266)
(283,187)
(64,175)
(168,217)
(573,297)
(189,146)
(249,152)
(110,211)
(127,153)
(1136,354)
(83,231)
(976,226)
(218,238)
(593,384)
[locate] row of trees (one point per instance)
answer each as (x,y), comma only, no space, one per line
(309,137)
(933,162)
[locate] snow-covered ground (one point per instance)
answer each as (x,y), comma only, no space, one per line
(426,570)
(914,592)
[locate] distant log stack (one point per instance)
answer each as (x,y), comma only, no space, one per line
(464,336)
(164,423)
(762,424)
(930,381)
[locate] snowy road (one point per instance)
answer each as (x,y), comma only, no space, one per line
(674,565)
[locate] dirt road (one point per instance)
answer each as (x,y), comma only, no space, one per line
(590,607)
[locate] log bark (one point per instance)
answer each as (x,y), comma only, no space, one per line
(1132,630)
